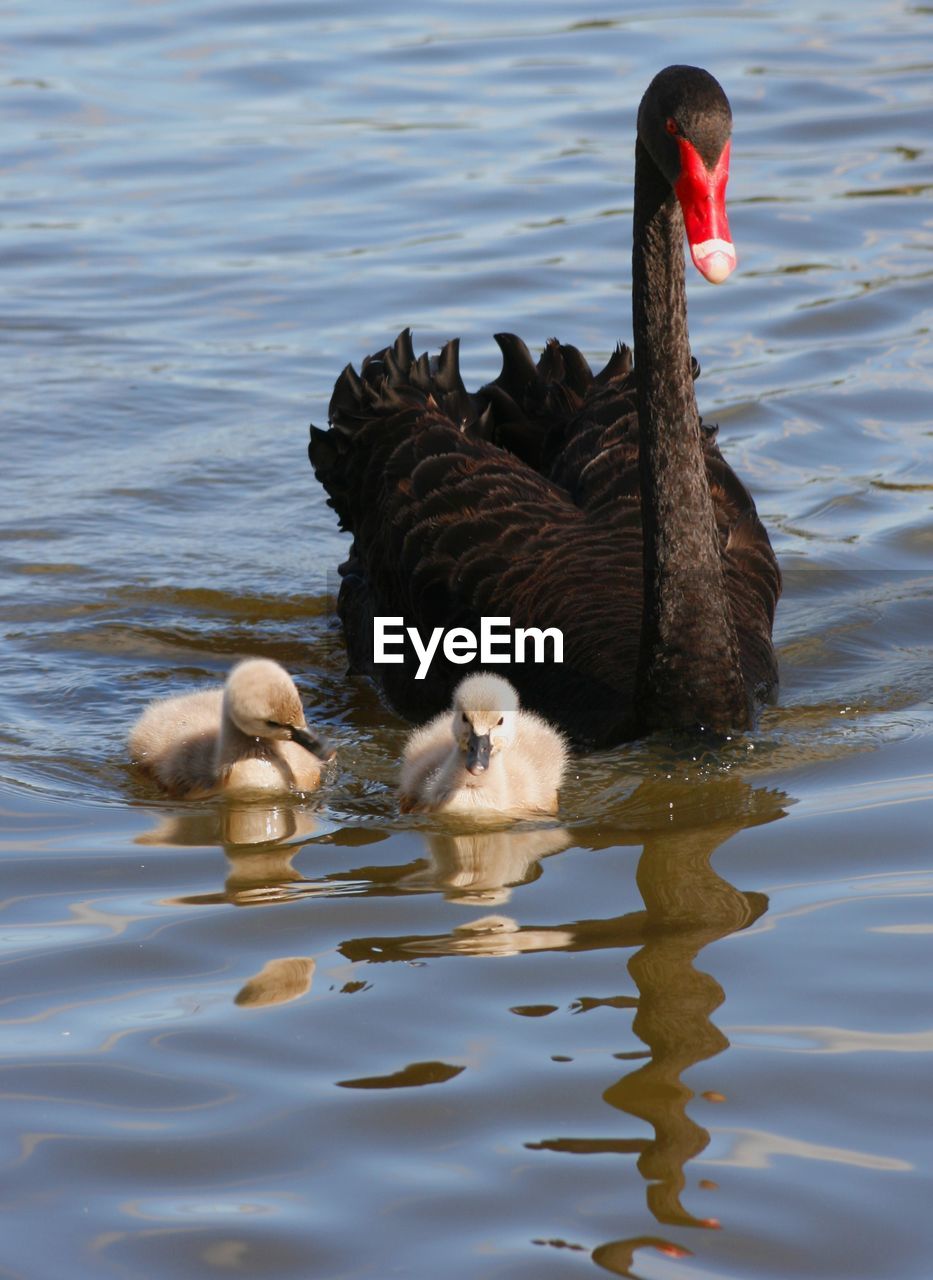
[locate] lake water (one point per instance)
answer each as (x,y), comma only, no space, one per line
(686,1029)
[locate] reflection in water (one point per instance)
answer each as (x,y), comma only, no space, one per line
(414,1076)
(259,840)
(470,867)
(687,906)
(479,868)
(493,935)
(277,982)
(233,823)
(618,1257)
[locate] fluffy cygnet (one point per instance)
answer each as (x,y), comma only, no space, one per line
(250,735)
(484,754)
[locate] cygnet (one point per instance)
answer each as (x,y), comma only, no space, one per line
(485,754)
(249,735)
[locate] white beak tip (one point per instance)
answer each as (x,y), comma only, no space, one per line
(714,259)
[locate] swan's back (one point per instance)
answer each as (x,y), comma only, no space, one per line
(175,740)
(425,752)
(521,500)
(543,756)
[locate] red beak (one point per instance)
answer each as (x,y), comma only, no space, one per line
(702,196)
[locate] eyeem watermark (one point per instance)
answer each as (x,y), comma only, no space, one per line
(497,642)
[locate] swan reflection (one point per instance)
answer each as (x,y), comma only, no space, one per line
(687,906)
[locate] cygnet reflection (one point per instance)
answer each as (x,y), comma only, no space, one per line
(480,868)
(497,935)
(259,841)
(233,823)
(277,982)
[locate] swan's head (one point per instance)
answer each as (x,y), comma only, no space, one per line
(260,698)
(685,123)
(485,713)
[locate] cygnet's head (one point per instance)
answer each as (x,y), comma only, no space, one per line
(261,699)
(485,714)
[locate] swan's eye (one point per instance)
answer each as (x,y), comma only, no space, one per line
(501,719)
(670,125)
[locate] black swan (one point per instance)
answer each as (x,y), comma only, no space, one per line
(596,504)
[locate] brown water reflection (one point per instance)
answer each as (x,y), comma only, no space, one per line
(687,907)
(679,825)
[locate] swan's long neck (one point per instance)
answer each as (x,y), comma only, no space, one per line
(689,672)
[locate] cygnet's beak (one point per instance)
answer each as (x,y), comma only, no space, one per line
(478,749)
(317,746)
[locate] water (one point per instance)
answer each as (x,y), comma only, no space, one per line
(685,1030)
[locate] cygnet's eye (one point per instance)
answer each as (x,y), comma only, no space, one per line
(273,724)
(463,716)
